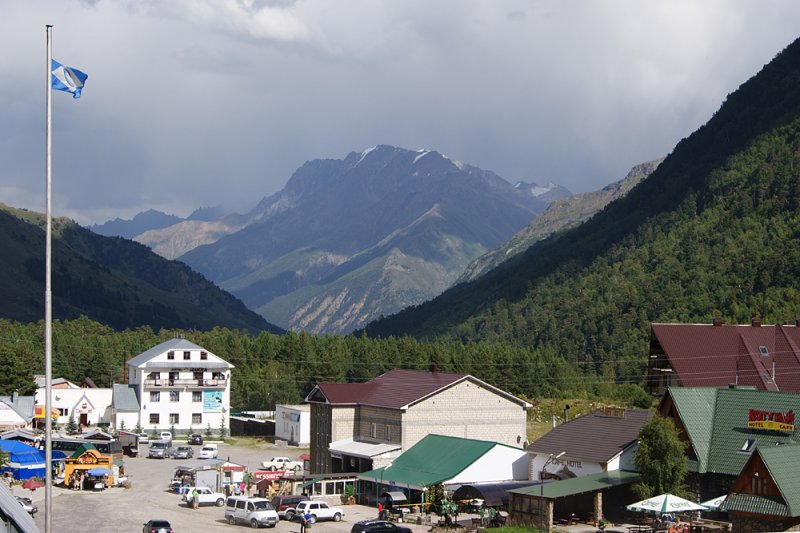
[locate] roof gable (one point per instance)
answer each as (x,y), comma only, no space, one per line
(594,437)
(704,355)
(695,407)
(176,345)
(396,389)
(783,463)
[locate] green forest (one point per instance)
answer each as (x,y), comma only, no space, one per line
(274,369)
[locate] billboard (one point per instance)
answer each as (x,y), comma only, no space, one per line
(212,401)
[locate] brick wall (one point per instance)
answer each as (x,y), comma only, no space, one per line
(466,410)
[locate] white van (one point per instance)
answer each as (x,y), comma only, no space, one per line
(254,511)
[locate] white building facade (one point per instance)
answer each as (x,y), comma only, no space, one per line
(86,406)
(177,384)
(293,424)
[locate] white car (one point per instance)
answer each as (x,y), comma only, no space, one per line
(205,496)
(281,463)
(165,435)
(318,511)
(208,451)
(143,438)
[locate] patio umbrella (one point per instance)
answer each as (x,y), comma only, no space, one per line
(32,484)
(666,503)
(99,471)
(714,503)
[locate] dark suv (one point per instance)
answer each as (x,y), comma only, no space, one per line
(285,505)
(378,526)
(195,438)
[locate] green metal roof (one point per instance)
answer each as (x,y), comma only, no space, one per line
(718,428)
(83,448)
(434,459)
(696,409)
(783,463)
(578,485)
(751,503)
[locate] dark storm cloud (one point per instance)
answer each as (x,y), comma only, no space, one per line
(197,102)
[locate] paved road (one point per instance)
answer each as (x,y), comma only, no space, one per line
(120,509)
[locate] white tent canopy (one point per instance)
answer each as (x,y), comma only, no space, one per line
(714,503)
(666,503)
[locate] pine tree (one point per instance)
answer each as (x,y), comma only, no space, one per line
(72,426)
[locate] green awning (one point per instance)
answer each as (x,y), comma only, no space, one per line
(579,485)
(307,483)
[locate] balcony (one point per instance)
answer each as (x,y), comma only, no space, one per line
(186,383)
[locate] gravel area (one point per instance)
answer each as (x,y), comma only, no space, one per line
(119,509)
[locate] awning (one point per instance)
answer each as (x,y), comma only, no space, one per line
(492,494)
(307,483)
(579,485)
(365,450)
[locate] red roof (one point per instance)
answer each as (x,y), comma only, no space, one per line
(705,355)
(394,389)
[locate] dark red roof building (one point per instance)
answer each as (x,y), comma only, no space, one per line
(717,355)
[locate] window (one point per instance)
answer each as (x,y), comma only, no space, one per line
(758,485)
(174,396)
(197,396)
(187,356)
(154,418)
(170,355)
(154,375)
(748,445)
(203,356)
(197,418)
(374,431)
(155,396)
(174,418)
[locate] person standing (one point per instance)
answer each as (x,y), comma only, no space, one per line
(195,498)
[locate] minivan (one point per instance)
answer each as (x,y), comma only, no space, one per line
(253,511)
(159,449)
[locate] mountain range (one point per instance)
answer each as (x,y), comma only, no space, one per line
(112,280)
(349,240)
(713,231)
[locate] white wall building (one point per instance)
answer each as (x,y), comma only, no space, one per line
(87,406)
(293,424)
(175,384)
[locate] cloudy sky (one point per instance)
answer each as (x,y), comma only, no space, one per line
(193,103)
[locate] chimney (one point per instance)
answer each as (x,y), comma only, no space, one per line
(717,322)
(566,413)
(433,368)
(14,397)
(797,321)
(756,322)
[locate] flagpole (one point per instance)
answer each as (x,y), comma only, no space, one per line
(48,307)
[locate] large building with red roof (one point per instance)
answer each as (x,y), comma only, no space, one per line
(766,357)
(360,426)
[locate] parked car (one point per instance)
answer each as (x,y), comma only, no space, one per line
(281,463)
(183,452)
(143,438)
(208,451)
(195,438)
(205,496)
(165,435)
(254,511)
(285,505)
(27,504)
(157,526)
(318,511)
(378,526)
(159,449)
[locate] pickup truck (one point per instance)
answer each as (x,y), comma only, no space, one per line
(281,463)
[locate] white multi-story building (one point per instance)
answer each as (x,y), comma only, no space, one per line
(293,424)
(175,384)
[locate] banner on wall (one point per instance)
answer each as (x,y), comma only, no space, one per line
(212,401)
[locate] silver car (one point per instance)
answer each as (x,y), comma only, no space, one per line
(183,452)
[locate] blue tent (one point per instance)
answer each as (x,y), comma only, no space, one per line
(24,461)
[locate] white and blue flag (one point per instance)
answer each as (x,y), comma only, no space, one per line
(67,79)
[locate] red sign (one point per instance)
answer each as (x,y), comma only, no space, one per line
(771,420)
(272,476)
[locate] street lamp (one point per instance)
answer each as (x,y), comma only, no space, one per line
(550,459)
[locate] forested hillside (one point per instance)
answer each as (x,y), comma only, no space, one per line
(116,281)
(713,231)
(283,368)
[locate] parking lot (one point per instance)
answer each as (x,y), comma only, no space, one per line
(119,509)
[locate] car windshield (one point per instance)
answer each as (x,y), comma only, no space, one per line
(183,449)
(263,506)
